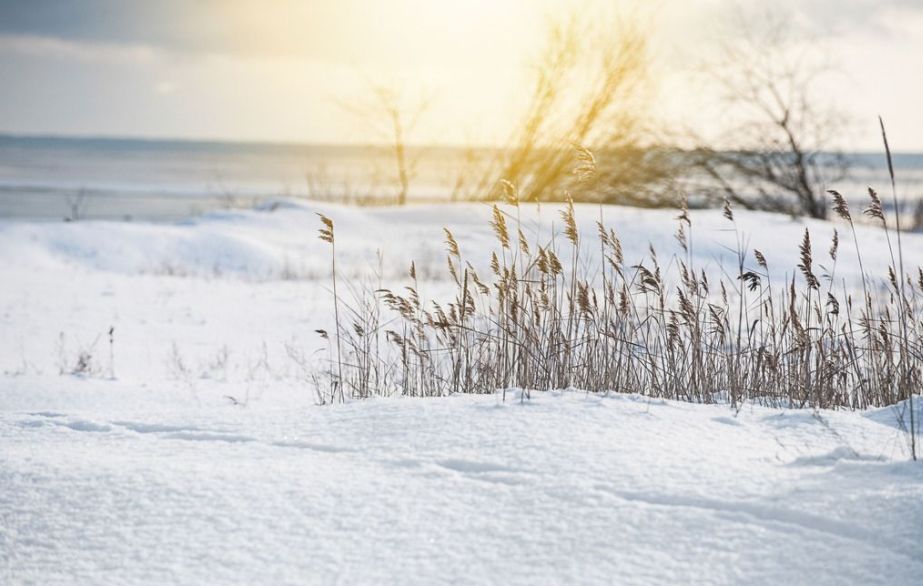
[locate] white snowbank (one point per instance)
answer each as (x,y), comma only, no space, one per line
(562,489)
(144,471)
(236,282)
(280,241)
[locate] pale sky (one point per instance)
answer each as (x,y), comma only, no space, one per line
(275,70)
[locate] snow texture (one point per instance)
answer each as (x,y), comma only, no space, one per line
(194,454)
(565,488)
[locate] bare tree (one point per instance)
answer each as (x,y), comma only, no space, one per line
(392,117)
(588,92)
(777,153)
(76,205)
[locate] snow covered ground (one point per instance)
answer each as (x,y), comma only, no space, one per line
(193,452)
(125,489)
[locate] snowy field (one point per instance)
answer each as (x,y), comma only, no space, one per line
(190,451)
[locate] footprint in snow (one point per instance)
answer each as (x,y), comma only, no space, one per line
(82,425)
(472,467)
(153,427)
(832,457)
(311,446)
(208,437)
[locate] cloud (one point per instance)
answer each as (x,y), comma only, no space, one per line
(221,26)
(61,49)
(324,29)
(381,32)
(164,88)
(852,17)
(97,21)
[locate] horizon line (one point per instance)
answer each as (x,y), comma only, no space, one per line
(295,143)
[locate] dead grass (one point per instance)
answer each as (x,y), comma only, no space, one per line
(540,321)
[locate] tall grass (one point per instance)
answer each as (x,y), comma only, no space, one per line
(541,319)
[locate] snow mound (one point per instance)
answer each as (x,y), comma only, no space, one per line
(279,240)
(190,452)
(565,488)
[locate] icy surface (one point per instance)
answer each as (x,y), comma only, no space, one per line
(193,452)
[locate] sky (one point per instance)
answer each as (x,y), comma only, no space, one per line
(281,70)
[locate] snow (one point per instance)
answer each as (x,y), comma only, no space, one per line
(564,488)
(144,471)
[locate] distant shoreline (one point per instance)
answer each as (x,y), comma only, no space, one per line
(50,140)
